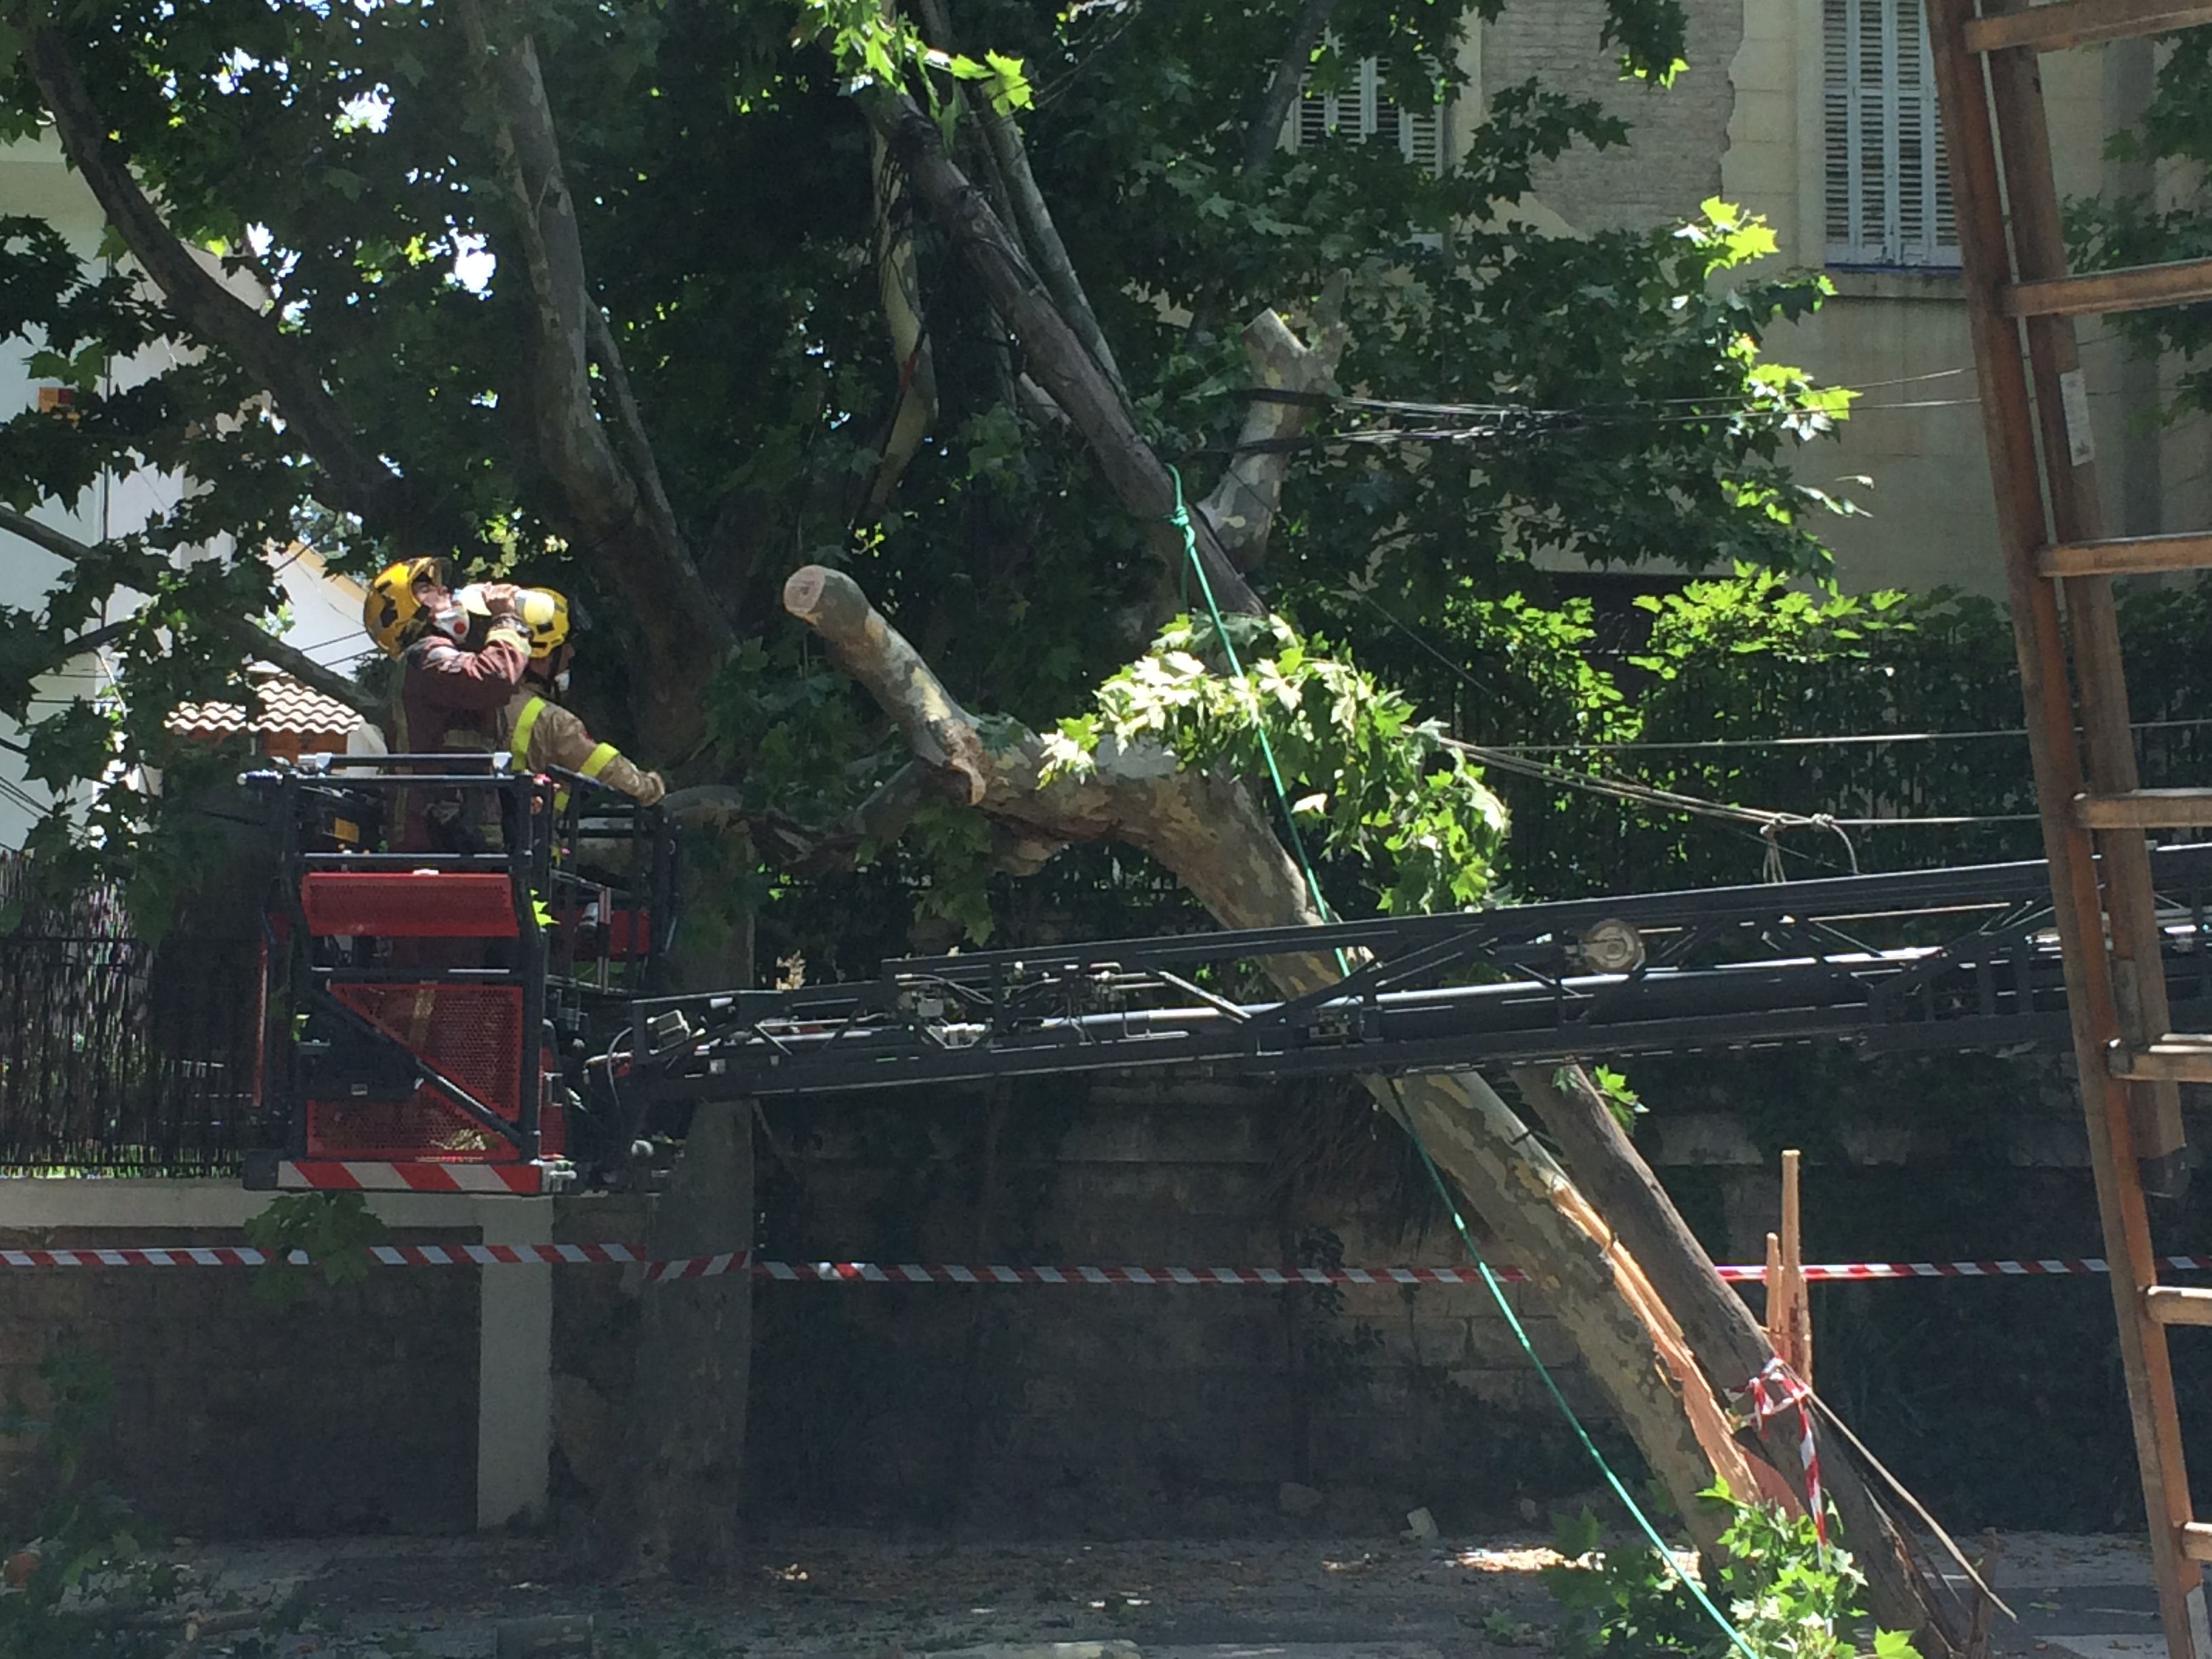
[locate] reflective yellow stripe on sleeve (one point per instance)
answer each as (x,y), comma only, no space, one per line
(518,742)
(596,762)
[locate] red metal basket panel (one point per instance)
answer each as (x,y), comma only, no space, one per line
(408,904)
(470,1034)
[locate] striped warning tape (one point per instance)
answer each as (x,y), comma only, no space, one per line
(887,1272)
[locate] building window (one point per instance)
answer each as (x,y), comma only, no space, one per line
(1888,191)
(1365,110)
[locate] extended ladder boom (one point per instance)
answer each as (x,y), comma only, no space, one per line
(1958,959)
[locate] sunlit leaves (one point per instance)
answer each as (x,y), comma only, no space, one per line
(877,49)
(1365,780)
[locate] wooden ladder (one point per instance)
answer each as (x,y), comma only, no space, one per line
(2021,303)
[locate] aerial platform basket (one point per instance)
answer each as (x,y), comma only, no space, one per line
(429,1011)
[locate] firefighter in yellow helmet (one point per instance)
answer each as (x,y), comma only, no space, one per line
(540,732)
(449,696)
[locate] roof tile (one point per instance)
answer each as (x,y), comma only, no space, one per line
(292,717)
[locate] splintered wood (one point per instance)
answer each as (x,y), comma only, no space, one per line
(1789,1314)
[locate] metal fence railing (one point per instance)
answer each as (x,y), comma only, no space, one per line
(117,1057)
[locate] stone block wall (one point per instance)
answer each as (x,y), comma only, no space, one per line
(1678,133)
(1128,1408)
(352,1411)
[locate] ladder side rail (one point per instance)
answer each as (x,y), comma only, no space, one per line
(2076,515)
(2100,292)
(1976,191)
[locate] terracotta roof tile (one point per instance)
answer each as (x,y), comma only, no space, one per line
(292,717)
(205,720)
(289,706)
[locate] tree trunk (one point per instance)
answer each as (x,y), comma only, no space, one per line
(672,1506)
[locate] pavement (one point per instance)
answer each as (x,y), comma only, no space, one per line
(815,1595)
(2092,1598)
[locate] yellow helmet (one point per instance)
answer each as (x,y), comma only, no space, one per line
(545,614)
(542,613)
(392,613)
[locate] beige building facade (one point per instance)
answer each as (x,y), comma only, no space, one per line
(1820,115)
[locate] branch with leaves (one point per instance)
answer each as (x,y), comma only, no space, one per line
(149,574)
(361,480)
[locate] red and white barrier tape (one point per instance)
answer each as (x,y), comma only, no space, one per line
(1773,1391)
(886,1273)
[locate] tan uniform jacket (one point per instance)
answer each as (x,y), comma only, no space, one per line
(542,734)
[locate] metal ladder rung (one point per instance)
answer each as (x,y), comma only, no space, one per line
(2135,288)
(2145,809)
(2175,1304)
(2176,1057)
(2121,556)
(2082,23)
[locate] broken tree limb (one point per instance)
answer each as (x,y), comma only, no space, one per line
(811,849)
(1213,835)
(1241,507)
(898,289)
(1025,203)
(1056,356)
(875,653)
(1729,1345)
(1041,237)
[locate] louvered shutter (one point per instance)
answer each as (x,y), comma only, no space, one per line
(1365,111)
(1885,186)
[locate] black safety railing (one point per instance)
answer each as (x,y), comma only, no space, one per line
(120,1058)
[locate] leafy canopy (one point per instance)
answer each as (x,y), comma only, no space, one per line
(344,165)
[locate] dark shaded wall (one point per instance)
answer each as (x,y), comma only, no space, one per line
(353,1411)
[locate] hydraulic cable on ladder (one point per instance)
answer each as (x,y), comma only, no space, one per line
(2021,303)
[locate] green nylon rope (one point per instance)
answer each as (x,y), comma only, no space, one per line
(1181,520)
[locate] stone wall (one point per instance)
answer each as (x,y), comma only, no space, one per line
(1677,134)
(1120,1408)
(352,1411)
(1131,1409)
(1117,1410)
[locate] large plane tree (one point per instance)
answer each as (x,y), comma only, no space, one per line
(756,325)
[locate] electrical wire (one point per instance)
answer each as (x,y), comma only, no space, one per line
(1399,405)
(1835,740)
(1520,759)
(1770,825)
(1531,423)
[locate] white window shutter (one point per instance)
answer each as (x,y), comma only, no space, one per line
(1886,186)
(1365,111)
